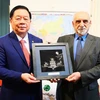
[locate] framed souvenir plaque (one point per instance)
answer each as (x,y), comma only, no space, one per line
(51,60)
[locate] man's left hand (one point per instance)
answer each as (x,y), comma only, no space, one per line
(73,77)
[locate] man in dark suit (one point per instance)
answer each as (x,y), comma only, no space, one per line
(82,83)
(19,82)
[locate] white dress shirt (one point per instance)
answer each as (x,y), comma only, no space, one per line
(26,41)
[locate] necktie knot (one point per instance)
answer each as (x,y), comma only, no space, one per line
(22,41)
(80,38)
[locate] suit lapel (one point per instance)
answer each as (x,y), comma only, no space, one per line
(30,42)
(71,43)
(86,49)
(17,46)
(32,39)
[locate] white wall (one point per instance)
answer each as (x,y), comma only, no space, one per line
(95,28)
(54,5)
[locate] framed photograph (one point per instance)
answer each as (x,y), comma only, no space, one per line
(51,60)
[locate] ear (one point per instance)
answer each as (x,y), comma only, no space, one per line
(10,20)
(73,23)
(30,21)
(90,22)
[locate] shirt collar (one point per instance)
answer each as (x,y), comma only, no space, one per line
(84,36)
(25,38)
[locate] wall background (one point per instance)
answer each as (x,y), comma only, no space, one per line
(54,5)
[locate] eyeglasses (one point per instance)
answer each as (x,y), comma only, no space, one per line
(79,21)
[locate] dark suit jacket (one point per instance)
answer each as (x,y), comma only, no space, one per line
(12,65)
(89,67)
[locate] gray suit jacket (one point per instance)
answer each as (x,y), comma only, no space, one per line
(89,67)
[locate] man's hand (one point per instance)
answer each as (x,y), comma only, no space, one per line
(74,77)
(29,78)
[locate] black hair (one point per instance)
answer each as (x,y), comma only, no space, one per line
(19,7)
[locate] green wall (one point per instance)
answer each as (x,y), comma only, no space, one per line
(4,17)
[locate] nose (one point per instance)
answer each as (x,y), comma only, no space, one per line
(81,23)
(22,20)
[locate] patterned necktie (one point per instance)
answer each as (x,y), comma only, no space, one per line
(78,50)
(25,51)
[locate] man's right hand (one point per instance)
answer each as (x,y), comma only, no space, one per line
(29,78)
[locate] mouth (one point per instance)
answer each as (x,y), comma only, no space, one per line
(83,31)
(82,28)
(21,26)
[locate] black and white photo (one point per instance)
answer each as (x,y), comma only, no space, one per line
(51,60)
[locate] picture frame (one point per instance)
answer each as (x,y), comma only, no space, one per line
(51,60)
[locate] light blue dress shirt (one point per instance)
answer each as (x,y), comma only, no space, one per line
(76,41)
